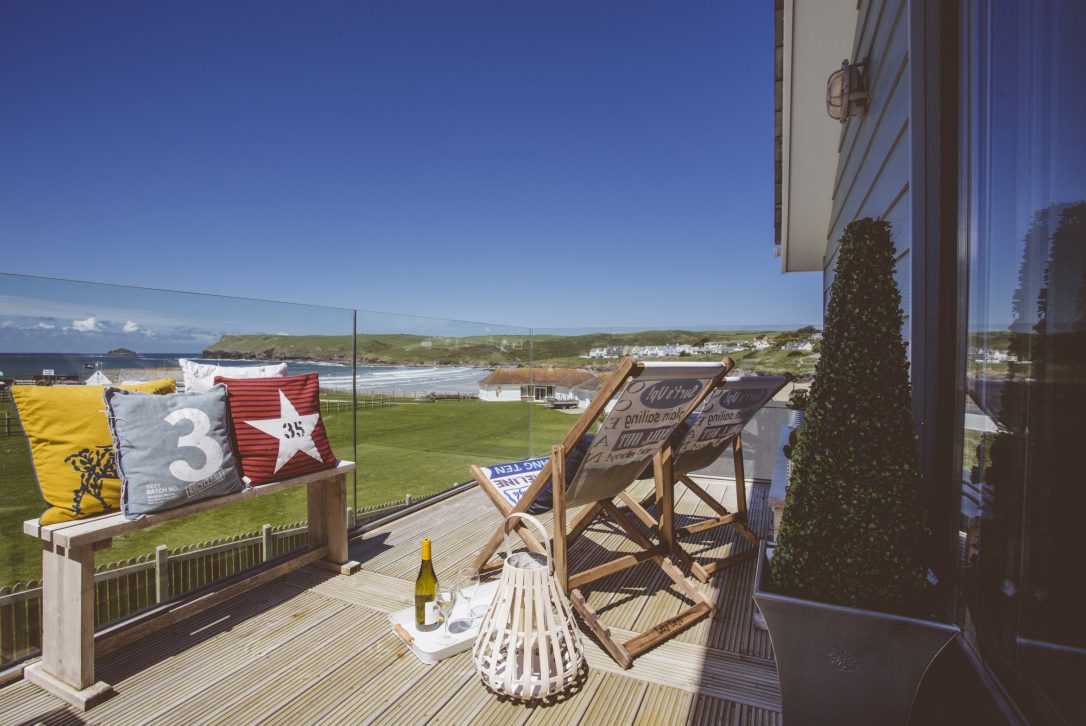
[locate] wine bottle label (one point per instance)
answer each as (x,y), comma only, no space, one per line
(431,613)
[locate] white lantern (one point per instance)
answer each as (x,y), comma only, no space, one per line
(529,646)
(845,92)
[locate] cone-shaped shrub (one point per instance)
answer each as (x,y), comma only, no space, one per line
(853,530)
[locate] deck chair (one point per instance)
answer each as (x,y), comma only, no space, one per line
(718,426)
(651,401)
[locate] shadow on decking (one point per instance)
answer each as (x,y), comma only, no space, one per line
(365,548)
(727,587)
(176,639)
(56,717)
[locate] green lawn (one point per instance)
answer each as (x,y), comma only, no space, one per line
(19,500)
(413,448)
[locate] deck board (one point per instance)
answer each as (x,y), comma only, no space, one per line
(616,702)
(316,648)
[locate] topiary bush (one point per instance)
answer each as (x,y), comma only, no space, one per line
(853,530)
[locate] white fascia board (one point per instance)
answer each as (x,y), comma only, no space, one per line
(818,35)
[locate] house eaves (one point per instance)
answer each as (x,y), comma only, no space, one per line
(812,38)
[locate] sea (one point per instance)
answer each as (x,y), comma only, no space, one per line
(441,379)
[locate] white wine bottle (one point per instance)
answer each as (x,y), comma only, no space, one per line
(426,614)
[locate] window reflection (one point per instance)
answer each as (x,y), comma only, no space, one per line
(1022,597)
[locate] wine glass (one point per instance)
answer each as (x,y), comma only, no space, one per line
(445,598)
(468,585)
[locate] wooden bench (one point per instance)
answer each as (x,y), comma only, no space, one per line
(66,668)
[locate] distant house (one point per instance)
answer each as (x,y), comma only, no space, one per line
(798,345)
(533,384)
(507,344)
(585,392)
(721,348)
(610,351)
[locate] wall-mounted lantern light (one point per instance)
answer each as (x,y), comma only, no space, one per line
(846,94)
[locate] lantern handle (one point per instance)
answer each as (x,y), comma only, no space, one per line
(538,525)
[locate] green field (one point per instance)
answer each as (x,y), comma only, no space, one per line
(410,448)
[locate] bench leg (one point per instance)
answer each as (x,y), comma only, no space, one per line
(67,665)
(327,503)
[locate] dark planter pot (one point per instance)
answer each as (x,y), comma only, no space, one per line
(841,665)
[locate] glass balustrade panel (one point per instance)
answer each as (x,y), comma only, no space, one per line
(59,336)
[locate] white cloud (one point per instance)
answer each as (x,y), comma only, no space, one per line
(89,325)
(131,327)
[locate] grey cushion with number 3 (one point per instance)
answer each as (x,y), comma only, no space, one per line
(171,450)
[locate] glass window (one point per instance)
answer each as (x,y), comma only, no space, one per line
(1021,596)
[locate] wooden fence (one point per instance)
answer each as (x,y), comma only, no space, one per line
(9,425)
(334,405)
(125,588)
(447,396)
(372,398)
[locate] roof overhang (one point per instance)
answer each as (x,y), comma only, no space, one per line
(813,37)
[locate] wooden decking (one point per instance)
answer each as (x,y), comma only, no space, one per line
(315,648)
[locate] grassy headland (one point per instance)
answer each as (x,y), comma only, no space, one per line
(496,350)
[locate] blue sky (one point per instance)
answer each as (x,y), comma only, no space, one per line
(546,164)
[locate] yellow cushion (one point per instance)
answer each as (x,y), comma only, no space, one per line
(72,447)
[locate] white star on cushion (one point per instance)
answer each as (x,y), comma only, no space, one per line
(295,432)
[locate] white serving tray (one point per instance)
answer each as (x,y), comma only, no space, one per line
(428,646)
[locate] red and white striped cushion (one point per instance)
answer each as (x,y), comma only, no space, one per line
(277,426)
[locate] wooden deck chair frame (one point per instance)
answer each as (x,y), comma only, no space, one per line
(666,478)
(554,470)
